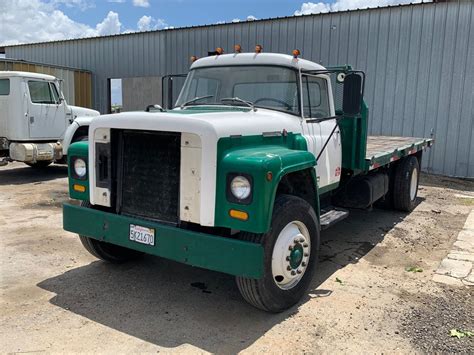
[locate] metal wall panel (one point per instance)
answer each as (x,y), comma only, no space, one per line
(416,58)
(72,79)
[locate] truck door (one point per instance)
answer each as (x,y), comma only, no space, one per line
(58,113)
(318,123)
(46,112)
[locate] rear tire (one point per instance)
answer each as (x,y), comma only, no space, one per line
(291,249)
(405,184)
(105,251)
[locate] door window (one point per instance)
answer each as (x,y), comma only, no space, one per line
(54,92)
(315,97)
(4,87)
(40,92)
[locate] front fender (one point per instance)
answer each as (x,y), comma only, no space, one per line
(83,121)
(257,162)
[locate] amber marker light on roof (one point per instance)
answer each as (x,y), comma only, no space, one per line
(219,51)
(258,48)
(238,48)
(296,53)
(193,58)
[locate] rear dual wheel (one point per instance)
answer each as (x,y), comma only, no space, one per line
(405,184)
(290,255)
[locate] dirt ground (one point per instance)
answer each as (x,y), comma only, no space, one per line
(55,297)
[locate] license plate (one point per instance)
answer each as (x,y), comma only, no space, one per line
(142,235)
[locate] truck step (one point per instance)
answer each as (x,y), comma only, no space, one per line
(331,217)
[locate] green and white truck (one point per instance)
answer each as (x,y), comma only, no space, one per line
(261,152)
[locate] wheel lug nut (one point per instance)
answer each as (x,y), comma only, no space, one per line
(303,263)
(301,240)
(299,271)
(290,247)
(306,254)
(305,245)
(295,241)
(293,272)
(288,267)
(287,258)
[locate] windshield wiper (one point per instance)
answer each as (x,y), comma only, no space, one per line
(236,99)
(195,99)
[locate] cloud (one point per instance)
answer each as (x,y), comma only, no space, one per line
(47,23)
(110,25)
(148,23)
(341,5)
(81,4)
(237,20)
(141,3)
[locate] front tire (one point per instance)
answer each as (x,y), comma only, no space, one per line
(405,184)
(41,164)
(291,249)
(105,251)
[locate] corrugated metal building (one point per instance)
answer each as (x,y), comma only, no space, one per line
(77,84)
(417,59)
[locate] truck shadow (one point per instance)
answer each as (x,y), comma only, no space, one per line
(170,304)
(23,174)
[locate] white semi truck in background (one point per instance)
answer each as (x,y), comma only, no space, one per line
(36,124)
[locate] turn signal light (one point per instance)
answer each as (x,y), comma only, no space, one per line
(296,53)
(258,48)
(79,188)
(193,58)
(243,216)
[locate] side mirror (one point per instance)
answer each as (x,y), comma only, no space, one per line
(153,108)
(352,98)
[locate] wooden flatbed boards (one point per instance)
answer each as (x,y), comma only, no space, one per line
(382,150)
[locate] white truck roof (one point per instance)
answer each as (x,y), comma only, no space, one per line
(9,74)
(256,59)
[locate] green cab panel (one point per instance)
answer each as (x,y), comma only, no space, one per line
(228,255)
(354,140)
(78,149)
(257,156)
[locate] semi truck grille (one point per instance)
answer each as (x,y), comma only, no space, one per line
(148,170)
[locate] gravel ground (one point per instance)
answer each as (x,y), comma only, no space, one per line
(433,316)
(55,297)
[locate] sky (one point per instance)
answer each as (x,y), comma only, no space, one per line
(27,21)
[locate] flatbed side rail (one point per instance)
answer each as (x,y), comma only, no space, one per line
(375,159)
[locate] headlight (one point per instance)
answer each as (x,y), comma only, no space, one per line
(80,167)
(240,187)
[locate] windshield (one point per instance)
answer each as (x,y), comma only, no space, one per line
(264,86)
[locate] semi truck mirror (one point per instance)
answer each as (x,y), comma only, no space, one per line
(352,94)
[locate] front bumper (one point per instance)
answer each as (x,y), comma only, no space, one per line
(207,251)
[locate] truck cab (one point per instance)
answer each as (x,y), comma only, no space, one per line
(258,156)
(34,117)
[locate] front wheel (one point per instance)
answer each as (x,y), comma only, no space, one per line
(291,249)
(106,251)
(40,164)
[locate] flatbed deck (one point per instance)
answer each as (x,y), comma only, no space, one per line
(382,150)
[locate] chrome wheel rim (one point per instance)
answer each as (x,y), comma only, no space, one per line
(413,184)
(290,257)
